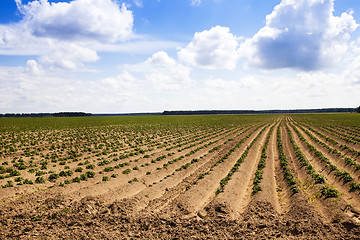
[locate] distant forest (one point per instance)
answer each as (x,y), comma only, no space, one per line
(209,112)
(196,112)
(60,114)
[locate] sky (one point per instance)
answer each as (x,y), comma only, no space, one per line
(128,56)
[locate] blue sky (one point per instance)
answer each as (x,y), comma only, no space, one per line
(153,55)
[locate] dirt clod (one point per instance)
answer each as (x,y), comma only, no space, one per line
(202,213)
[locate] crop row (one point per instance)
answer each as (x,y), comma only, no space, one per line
(290,179)
(342,136)
(318,178)
(194,160)
(236,166)
(325,190)
(345,176)
(262,164)
(47,153)
(72,155)
(348,161)
(226,156)
(344,147)
(354,131)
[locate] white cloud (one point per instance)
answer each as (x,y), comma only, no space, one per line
(53,54)
(301,34)
(195,2)
(138,3)
(14,40)
(230,88)
(298,34)
(352,64)
(165,73)
(212,49)
(220,87)
(21,92)
(64,35)
(283,90)
(78,19)
(352,73)
(162,72)
(33,67)
(119,92)
(122,81)
(161,59)
(67,56)
(132,91)
(199,2)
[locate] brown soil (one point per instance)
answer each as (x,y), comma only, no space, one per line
(169,210)
(236,195)
(329,209)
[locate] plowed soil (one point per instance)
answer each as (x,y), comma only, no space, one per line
(183,204)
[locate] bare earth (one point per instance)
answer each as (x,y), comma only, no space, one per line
(177,204)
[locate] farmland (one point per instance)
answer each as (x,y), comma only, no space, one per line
(220,176)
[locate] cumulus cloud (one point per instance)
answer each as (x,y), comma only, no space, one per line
(122,81)
(67,56)
(78,19)
(33,67)
(212,49)
(165,73)
(65,35)
(352,64)
(161,59)
(53,53)
(352,73)
(162,72)
(301,34)
(21,92)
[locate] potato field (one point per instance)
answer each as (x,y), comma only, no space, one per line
(180,177)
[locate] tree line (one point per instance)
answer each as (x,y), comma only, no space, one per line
(212,112)
(59,114)
(195,112)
